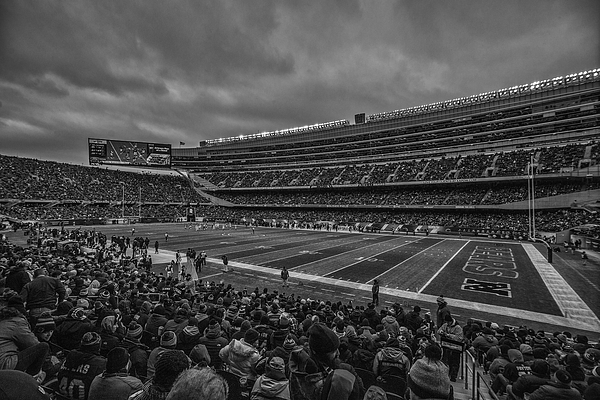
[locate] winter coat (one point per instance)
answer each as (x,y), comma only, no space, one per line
(42,291)
(114,386)
(391,361)
(391,325)
(155,321)
(269,388)
(555,391)
(484,342)
(451,330)
(214,344)
(413,321)
(139,358)
(15,335)
(528,384)
(17,278)
(68,334)
(176,324)
(241,358)
(307,381)
(77,373)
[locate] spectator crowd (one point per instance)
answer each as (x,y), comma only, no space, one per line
(97,328)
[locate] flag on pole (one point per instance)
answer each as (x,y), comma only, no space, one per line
(181,143)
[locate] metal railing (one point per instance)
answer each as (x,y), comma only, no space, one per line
(480,387)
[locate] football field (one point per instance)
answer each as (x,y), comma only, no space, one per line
(503,281)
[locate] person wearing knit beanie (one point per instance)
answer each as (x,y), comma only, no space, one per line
(214,328)
(115,382)
(81,365)
(322,340)
(289,343)
(559,388)
(90,341)
(134,331)
(429,379)
(45,323)
(273,383)
(168,340)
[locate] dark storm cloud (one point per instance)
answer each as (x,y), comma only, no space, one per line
(170,71)
(66,40)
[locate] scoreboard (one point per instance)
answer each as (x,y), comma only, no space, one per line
(122,152)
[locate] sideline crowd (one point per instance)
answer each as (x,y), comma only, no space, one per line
(105,327)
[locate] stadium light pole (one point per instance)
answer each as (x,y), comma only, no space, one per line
(123,201)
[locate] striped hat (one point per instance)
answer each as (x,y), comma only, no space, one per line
(77,313)
(134,331)
(45,323)
(168,339)
(90,339)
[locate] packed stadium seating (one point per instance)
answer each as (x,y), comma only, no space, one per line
(128,306)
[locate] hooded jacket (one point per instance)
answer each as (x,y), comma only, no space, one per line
(390,361)
(483,342)
(269,388)
(214,343)
(391,325)
(241,358)
(308,381)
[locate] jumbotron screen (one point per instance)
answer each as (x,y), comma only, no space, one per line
(122,152)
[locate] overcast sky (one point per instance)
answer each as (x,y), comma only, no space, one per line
(184,71)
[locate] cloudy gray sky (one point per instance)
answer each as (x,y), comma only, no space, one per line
(171,71)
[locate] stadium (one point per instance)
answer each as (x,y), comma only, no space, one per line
(490,201)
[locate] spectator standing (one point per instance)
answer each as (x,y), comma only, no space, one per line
(115,383)
(442,311)
(225,262)
(375,292)
(284,276)
(42,293)
(453,331)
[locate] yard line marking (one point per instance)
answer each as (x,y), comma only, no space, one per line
(327,290)
(210,276)
(409,258)
(374,255)
(442,267)
(573,323)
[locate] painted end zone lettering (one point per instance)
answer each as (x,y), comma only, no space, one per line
(492,261)
(496,288)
